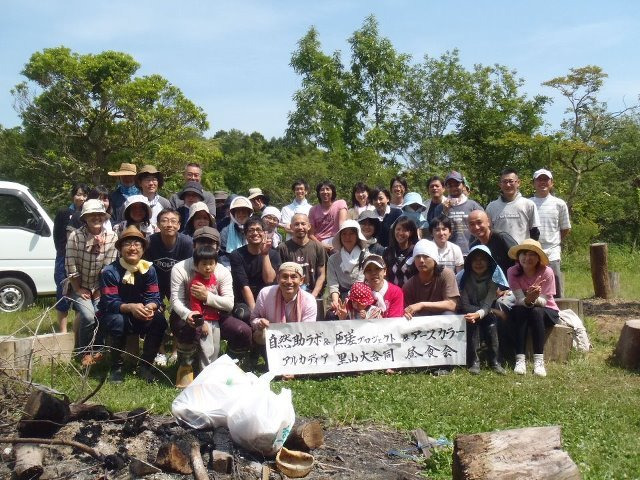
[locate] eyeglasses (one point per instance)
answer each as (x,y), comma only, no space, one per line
(255,230)
(169,221)
(508,182)
(131,243)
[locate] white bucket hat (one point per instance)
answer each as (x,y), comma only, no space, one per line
(337,244)
(424,247)
(93,206)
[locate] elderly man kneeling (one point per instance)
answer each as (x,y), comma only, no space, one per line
(284,302)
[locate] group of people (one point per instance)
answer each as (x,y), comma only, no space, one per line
(230,265)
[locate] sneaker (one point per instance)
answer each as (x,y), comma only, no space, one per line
(161,360)
(496,367)
(474,369)
(521,367)
(538,366)
(441,372)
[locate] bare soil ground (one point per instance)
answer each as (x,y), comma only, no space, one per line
(353,452)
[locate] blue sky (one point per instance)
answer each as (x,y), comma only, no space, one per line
(232,57)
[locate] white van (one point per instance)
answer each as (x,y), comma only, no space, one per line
(27,251)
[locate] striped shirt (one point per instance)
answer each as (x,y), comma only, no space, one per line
(82,260)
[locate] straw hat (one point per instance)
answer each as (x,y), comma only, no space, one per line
(294,464)
(531,245)
(125,169)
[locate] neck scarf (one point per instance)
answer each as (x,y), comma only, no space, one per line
(379,296)
(457,201)
(98,242)
(281,308)
(349,260)
(128,191)
(235,237)
(142,266)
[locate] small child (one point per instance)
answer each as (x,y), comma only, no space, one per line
(271,219)
(449,254)
(361,304)
(203,319)
(479,283)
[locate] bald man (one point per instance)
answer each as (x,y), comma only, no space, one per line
(498,243)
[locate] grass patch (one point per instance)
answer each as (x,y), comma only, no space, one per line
(595,403)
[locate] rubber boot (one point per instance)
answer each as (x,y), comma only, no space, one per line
(150,349)
(184,377)
(117,347)
(494,350)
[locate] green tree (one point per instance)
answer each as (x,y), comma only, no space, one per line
(377,74)
(83,114)
(583,142)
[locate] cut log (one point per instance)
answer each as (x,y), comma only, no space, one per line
(43,415)
(598,253)
(557,344)
(574,304)
(221,462)
(172,458)
(422,442)
(532,453)
(627,351)
(28,461)
(305,436)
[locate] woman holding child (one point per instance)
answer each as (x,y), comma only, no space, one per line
(533,284)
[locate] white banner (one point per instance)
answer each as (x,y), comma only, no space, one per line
(354,345)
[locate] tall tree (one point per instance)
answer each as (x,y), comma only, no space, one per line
(582,143)
(83,114)
(377,73)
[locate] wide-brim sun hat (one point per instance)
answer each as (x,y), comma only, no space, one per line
(255,193)
(93,205)
(240,202)
(131,232)
(414,198)
(529,244)
(424,247)
(150,170)
(273,211)
(191,187)
(137,199)
(126,169)
(200,207)
(337,244)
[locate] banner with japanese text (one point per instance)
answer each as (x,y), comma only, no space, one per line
(354,345)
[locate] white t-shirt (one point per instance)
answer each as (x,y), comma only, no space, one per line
(554,217)
(516,217)
(450,256)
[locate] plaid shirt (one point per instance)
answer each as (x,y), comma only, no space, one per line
(82,261)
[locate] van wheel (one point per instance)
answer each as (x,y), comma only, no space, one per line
(14,295)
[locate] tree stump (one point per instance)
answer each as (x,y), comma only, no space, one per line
(600,269)
(574,304)
(305,436)
(532,453)
(557,344)
(627,351)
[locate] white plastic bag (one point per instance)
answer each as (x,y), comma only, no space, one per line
(261,422)
(211,396)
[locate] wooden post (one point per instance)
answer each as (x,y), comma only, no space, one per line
(533,453)
(614,283)
(600,269)
(628,349)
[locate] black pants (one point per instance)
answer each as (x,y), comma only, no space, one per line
(535,319)
(487,328)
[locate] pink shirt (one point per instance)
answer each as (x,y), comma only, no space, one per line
(325,223)
(522,282)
